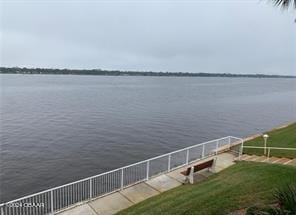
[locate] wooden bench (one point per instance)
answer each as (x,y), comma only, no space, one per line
(189,172)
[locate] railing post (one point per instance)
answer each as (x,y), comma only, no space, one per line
(169,163)
(51,201)
(121,178)
(268,154)
(90,188)
(217,146)
(147,169)
(203,151)
(187,156)
(241,150)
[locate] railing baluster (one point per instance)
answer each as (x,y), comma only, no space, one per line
(68,199)
(241,149)
(187,156)
(90,188)
(121,178)
(147,169)
(38,202)
(51,201)
(203,151)
(217,146)
(169,162)
(61,199)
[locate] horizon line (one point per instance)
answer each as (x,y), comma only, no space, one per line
(141,72)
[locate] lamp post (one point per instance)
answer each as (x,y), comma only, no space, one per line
(265,136)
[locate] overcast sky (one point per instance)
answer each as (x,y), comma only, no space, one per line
(175,36)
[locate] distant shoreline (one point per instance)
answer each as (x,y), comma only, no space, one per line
(100,72)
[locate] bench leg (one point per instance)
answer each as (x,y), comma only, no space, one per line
(213,167)
(191,178)
(186,180)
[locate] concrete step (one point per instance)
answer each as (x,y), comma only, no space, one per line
(273,159)
(293,162)
(262,159)
(249,158)
(254,158)
(283,161)
(289,161)
(276,160)
(245,157)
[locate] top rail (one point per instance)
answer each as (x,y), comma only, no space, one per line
(262,147)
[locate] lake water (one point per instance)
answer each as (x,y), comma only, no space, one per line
(60,128)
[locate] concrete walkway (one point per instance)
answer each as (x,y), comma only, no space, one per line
(125,198)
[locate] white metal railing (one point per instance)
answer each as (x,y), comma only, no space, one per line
(268,149)
(58,198)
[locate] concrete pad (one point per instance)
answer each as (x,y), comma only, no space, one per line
(225,158)
(224,161)
(110,204)
(82,209)
(176,174)
(139,192)
(163,183)
(217,169)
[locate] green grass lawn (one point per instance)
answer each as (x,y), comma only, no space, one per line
(239,186)
(284,137)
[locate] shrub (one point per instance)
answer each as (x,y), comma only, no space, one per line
(286,196)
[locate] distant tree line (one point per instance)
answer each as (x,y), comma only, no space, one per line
(18,70)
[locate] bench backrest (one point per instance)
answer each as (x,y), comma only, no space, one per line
(204,165)
(198,167)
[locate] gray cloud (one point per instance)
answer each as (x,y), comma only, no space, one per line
(188,36)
